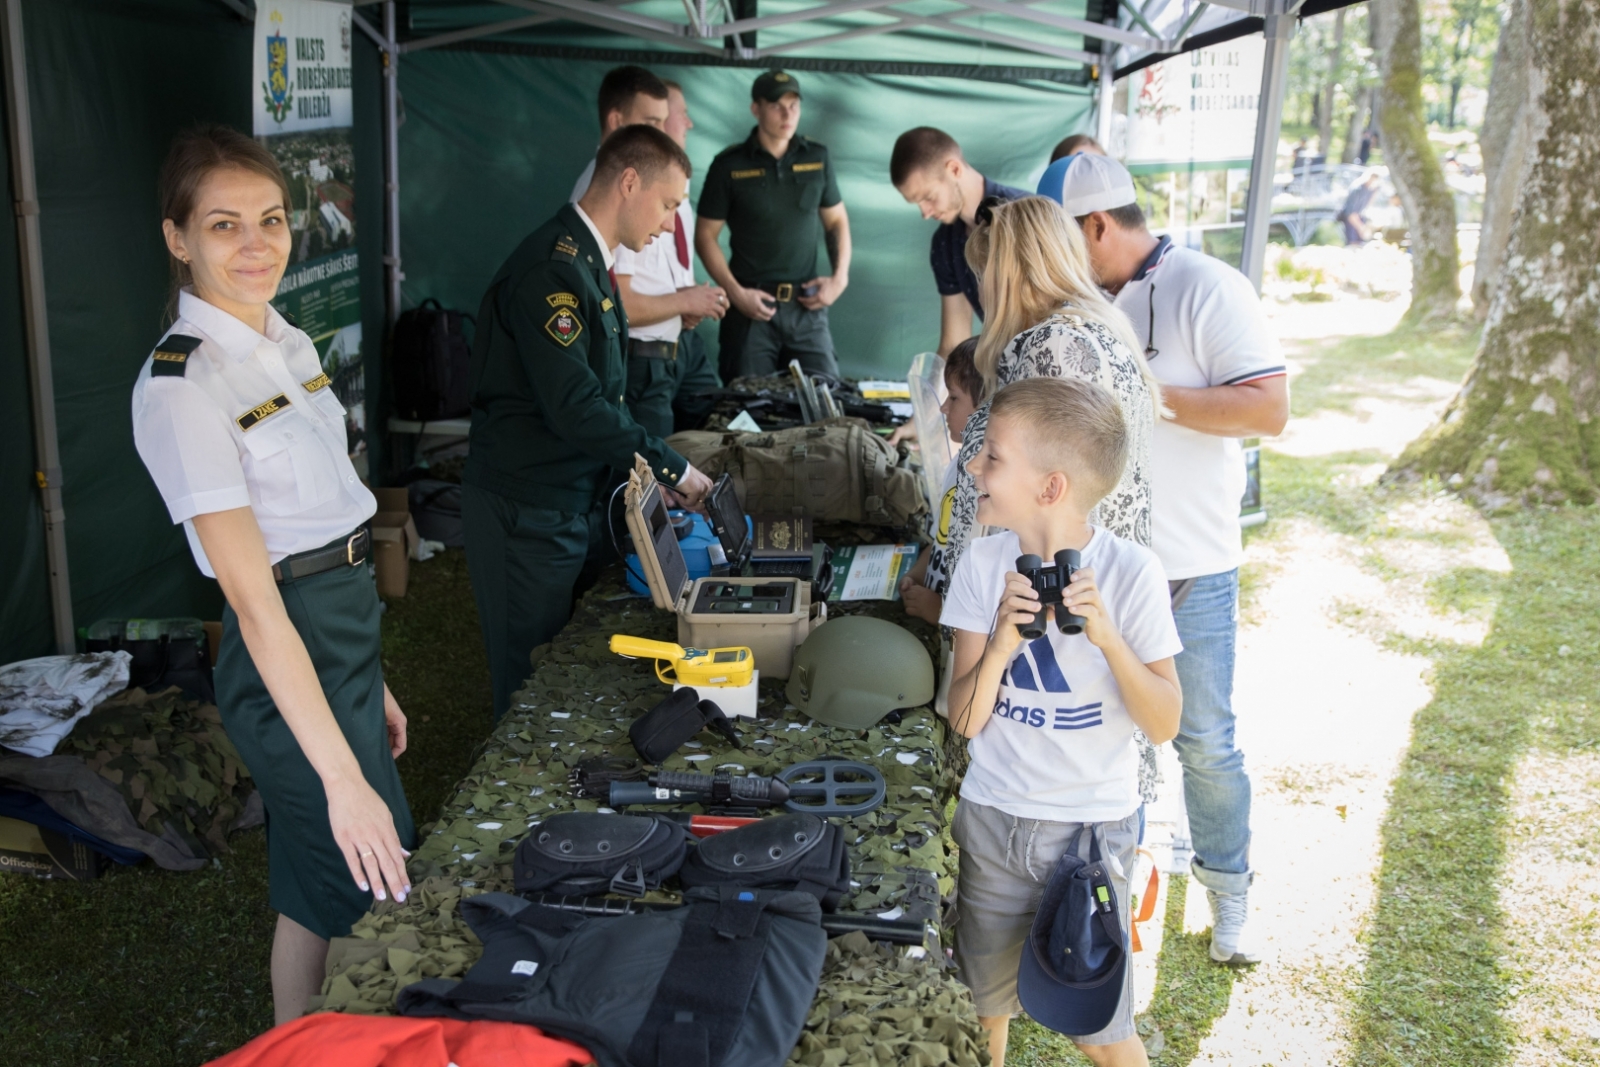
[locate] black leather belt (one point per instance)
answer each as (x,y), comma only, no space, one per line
(346,552)
(784,291)
(652,349)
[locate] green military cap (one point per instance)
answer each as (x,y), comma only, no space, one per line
(774,85)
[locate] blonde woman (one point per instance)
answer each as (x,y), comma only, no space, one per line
(1047,318)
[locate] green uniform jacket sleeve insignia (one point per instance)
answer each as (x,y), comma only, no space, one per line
(564,327)
(171,356)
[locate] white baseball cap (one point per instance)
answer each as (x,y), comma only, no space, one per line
(1083,182)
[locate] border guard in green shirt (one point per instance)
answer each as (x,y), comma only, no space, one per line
(777,194)
(549,422)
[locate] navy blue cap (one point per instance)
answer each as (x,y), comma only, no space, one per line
(1076,955)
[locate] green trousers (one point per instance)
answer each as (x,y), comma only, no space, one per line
(336,614)
(526,564)
(756,349)
(655,386)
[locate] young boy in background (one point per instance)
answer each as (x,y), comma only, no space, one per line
(922,588)
(1051,721)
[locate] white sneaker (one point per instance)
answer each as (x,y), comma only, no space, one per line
(1229,912)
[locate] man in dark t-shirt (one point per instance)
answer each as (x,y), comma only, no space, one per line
(777,194)
(929,171)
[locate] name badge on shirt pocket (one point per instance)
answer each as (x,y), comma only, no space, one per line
(290,470)
(321,381)
(753,173)
(261,411)
(801,168)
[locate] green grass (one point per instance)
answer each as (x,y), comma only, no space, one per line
(1341,371)
(152,967)
(434,662)
(1435,985)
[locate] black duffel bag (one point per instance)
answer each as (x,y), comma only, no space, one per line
(797,851)
(164,661)
(588,853)
(430,358)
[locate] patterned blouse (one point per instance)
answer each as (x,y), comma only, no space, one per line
(1067,346)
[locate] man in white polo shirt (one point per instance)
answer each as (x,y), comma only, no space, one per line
(667,364)
(1223,377)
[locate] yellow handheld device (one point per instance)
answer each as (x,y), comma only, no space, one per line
(690,666)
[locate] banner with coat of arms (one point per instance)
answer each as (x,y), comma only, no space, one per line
(303,107)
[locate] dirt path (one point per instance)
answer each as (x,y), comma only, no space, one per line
(1325,710)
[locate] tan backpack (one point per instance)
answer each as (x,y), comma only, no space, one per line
(836,470)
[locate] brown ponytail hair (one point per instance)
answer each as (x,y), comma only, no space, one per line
(195,153)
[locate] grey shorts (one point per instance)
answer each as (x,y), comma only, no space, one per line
(1005,863)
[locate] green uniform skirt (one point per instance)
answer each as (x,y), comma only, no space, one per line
(336,613)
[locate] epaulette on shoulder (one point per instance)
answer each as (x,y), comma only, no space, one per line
(171,356)
(565,250)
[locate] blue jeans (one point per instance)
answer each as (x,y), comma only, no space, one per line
(1216,789)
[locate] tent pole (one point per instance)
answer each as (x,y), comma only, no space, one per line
(25,190)
(1280,27)
(391,163)
(1108,86)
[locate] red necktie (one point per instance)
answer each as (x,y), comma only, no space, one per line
(612,274)
(681,239)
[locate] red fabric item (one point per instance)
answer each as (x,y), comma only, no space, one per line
(333,1039)
(612,274)
(681,240)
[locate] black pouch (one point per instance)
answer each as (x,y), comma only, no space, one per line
(792,852)
(588,853)
(662,730)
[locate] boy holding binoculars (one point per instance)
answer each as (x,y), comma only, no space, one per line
(1052,718)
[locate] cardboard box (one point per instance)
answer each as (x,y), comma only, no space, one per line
(394,537)
(41,853)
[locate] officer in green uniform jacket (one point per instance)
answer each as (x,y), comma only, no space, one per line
(777,194)
(549,420)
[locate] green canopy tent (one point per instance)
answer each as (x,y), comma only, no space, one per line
(471,122)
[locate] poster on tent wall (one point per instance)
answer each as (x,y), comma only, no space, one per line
(303,107)
(1196,108)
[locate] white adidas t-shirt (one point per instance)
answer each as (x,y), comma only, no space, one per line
(1059,746)
(1208,330)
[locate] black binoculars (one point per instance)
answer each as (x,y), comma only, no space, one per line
(1048,582)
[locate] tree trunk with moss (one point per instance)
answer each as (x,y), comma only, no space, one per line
(1429,205)
(1525,427)
(1512,123)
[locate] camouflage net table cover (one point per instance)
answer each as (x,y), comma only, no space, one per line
(875,1005)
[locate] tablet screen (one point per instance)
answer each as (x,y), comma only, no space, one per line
(665,541)
(726,516)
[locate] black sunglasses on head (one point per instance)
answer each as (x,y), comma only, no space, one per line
(985,213)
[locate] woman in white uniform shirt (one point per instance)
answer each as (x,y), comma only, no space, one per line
(237,424)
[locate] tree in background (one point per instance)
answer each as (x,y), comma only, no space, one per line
(1512,125)
(1458,44)
(1330,86)
(1330,70)
(1413,167)
(1525,427)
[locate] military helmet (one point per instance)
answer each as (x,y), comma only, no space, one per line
(854,670)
